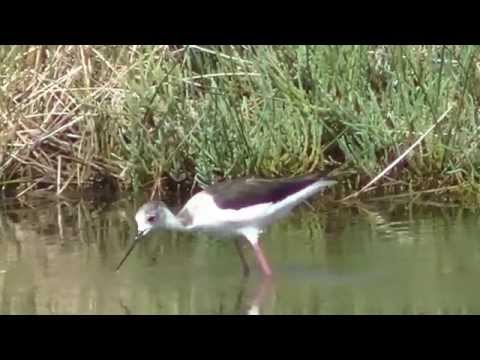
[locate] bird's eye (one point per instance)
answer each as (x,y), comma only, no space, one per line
(151,219)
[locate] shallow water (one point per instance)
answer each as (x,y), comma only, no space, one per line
(377,258)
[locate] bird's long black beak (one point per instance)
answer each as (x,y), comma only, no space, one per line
(134,243)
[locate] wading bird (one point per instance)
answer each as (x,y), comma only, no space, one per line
(242,207)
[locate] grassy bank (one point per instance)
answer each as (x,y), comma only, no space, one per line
(157,117)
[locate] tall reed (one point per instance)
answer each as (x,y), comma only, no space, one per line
(126,117)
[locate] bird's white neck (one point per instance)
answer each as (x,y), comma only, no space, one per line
(172,222)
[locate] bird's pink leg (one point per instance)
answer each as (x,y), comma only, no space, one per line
(262,259)
(251,234)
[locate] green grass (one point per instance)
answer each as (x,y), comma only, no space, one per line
(75,118)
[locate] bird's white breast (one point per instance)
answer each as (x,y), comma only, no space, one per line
(206,213)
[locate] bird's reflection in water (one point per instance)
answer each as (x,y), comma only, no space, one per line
(126,310)
(252,294)
(251,297)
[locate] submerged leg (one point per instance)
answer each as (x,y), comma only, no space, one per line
(265,288)
(238,246)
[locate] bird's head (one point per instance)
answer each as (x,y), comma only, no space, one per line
(149,216)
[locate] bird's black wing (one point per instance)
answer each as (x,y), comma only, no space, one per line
(240,193)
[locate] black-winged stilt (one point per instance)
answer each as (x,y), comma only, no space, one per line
(241,207)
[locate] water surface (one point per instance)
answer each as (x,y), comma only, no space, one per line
(377,258)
